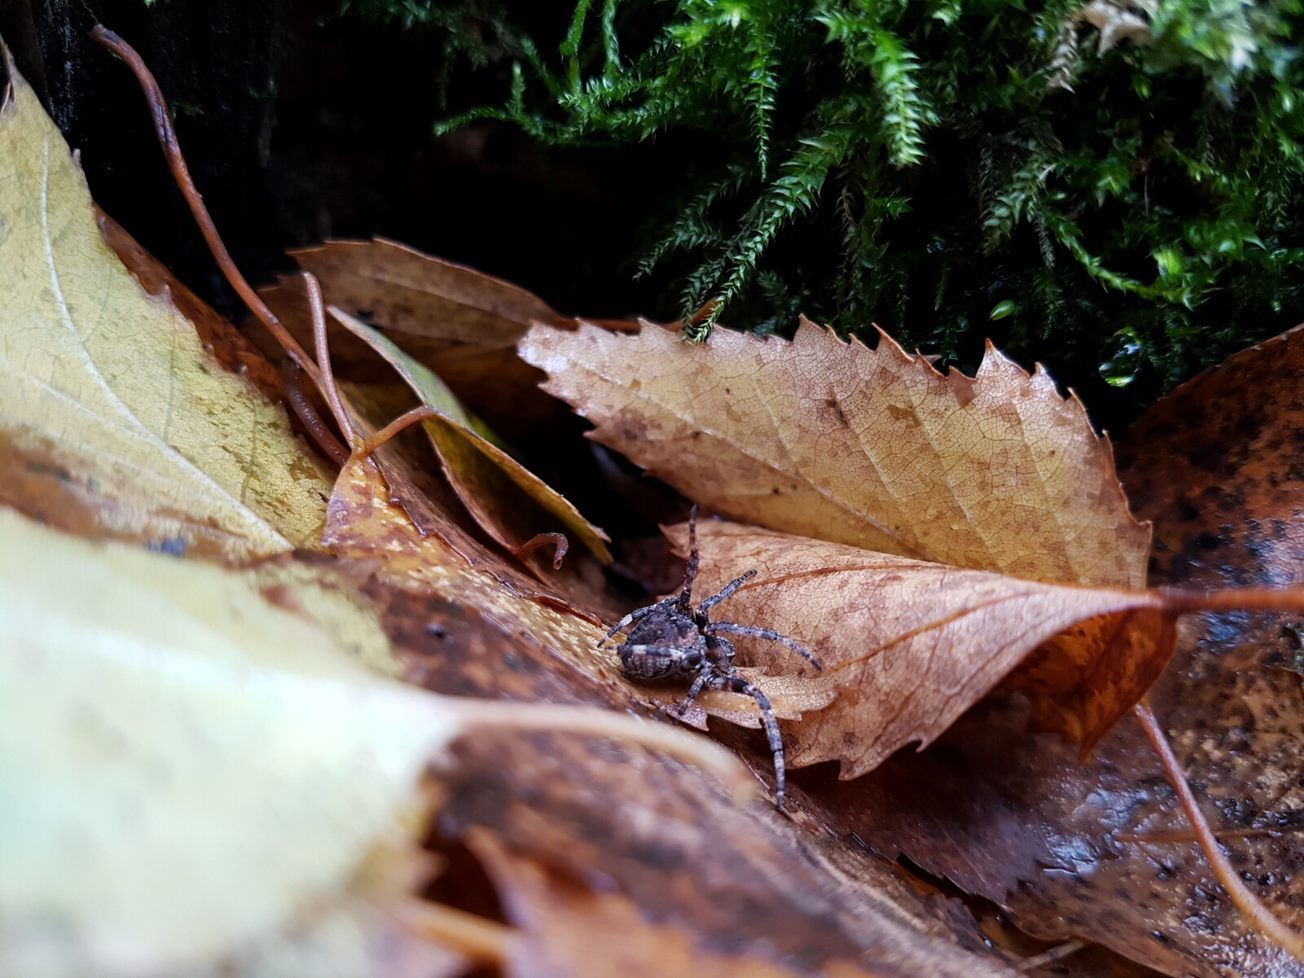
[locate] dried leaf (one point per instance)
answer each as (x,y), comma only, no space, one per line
(570,930)
(195,791)
(461,323)
(116,419)
(415,293)
(700,882)
(508,501)
(912,645)
(1100,850)
(871,448)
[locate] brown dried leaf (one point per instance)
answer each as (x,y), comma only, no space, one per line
(911,645)
(410,292)
(117,419)
(871,448)
(571,931)
(1100,850)
(652,846)
(460,323)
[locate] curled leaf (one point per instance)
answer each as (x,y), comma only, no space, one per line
(510,503)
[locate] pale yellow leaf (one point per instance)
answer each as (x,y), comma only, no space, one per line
(109,389)
(185,768)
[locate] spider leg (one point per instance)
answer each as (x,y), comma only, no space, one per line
(771,724)
(629,619)
(726,591)
(735,629)
(699,684)
(690,575)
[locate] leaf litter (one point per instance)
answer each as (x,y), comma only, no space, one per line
(574,832)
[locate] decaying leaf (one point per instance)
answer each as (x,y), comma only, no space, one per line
(508,501)
(1099,850)
(211,766)
(911,645)
(418,294)
(115,418)
(461,323)
(871,448)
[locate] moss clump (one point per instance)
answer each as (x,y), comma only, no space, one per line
(1111,180)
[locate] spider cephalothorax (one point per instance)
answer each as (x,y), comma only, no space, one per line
(671,641)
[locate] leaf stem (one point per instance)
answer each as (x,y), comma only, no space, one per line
(1180,602)
(1248,903)
(400,424)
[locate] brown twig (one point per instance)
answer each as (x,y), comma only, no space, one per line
(167,138)
(1248,903)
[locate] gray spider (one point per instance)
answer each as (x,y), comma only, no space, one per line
(671,641)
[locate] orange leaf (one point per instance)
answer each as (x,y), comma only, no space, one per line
(912,645)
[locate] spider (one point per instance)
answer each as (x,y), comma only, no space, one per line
(670,641)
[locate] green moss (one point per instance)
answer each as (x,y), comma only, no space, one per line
(1110,179)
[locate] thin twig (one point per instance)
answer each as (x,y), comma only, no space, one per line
(1249,904)
(167,138)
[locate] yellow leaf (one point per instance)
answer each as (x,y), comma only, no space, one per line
(110,400)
